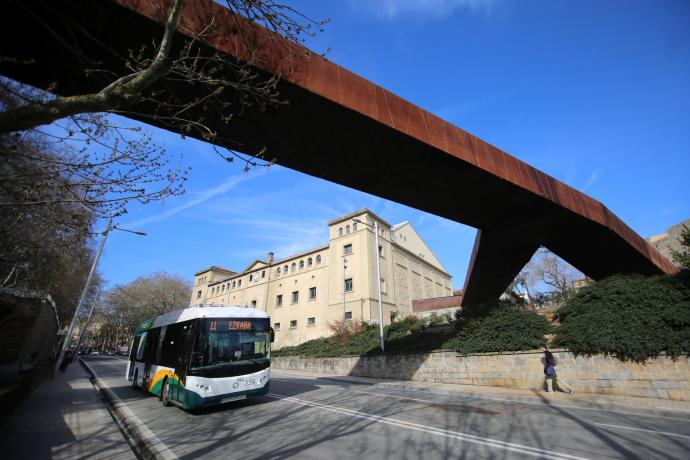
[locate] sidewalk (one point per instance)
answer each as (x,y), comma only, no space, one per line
(599,401)
(64,418)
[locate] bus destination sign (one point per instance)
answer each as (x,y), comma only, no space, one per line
(240,325)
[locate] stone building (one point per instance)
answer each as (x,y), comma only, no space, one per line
(306,292)
(667,242)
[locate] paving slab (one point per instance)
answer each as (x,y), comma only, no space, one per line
(64,418)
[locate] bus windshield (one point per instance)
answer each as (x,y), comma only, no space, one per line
(224,342)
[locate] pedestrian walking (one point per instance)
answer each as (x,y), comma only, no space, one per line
(551,376)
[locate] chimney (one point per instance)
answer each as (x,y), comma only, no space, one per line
(269,258)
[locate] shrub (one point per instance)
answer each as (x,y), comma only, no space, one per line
(504,327)
(631,316)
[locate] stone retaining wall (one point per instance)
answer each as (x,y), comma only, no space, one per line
(660,378)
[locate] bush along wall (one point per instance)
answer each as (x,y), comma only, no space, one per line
(500,326)
(630,316)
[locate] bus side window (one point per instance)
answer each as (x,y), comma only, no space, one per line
(142,345)
(151,346)
(135,347)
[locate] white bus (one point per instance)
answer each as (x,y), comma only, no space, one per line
(203,356)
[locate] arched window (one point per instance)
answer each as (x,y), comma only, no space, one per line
(285,270)
(301,264)
(234,284)
(347,229)
(309,262)
(250,277)
(239,283)
(278,270)
(318,259)
(293,267)
(354,227)
(340,231)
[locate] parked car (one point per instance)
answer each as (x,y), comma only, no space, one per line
(95,353)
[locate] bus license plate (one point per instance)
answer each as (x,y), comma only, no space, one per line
(233,398)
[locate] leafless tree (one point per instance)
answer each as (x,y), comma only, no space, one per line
(126,306)
(211,76)
(546,275)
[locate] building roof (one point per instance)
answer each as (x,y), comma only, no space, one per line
(208,312)
(280,261)
(436,303)
(356,213)
(216,268)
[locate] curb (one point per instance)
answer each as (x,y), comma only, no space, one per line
(145,443)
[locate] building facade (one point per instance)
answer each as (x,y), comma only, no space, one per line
(305,293)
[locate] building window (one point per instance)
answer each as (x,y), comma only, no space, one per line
(354,227)
(251,277)
(278,271)
(348,315)
(301,264)
(263,273)
(276,326)
(380,251)
(293,267)
(223,290)
(340,231)
(309,262)
(285,270)
(239,283)
(279,300)
(198,294)
(311,321)
(383,286)
(295,296)
(347,229)
(253,303)
(234,285)
(348,285)
(318,259)
(347,249)
(293,324)
(213,290)
(312,293)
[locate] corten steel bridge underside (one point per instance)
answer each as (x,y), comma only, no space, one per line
(342,128)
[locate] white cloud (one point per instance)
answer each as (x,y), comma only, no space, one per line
(429,9)
(195,199)
(591,180)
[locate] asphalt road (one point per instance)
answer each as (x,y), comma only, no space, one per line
(304,417)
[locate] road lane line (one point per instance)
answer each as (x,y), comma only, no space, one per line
(536,403)
(665,433)
(513,447)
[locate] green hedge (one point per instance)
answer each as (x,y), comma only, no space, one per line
(633,317)
(506,328)
(470,333)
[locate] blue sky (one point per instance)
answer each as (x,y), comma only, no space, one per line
(597,94)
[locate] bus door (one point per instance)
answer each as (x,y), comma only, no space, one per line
(184,357)
(133,356)
(151,355)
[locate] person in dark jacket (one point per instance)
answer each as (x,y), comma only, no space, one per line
(550,374)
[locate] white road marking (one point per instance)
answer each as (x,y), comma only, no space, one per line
(665,433)
(495,443)
(535,403)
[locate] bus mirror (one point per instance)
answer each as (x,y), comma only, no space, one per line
(273,335)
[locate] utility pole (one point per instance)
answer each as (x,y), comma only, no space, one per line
(68,338)
(344,267)
(88,318)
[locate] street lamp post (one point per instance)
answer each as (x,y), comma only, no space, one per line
(68,337)
(378,274)
(86,324)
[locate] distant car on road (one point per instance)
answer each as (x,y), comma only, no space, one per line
(95,353)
